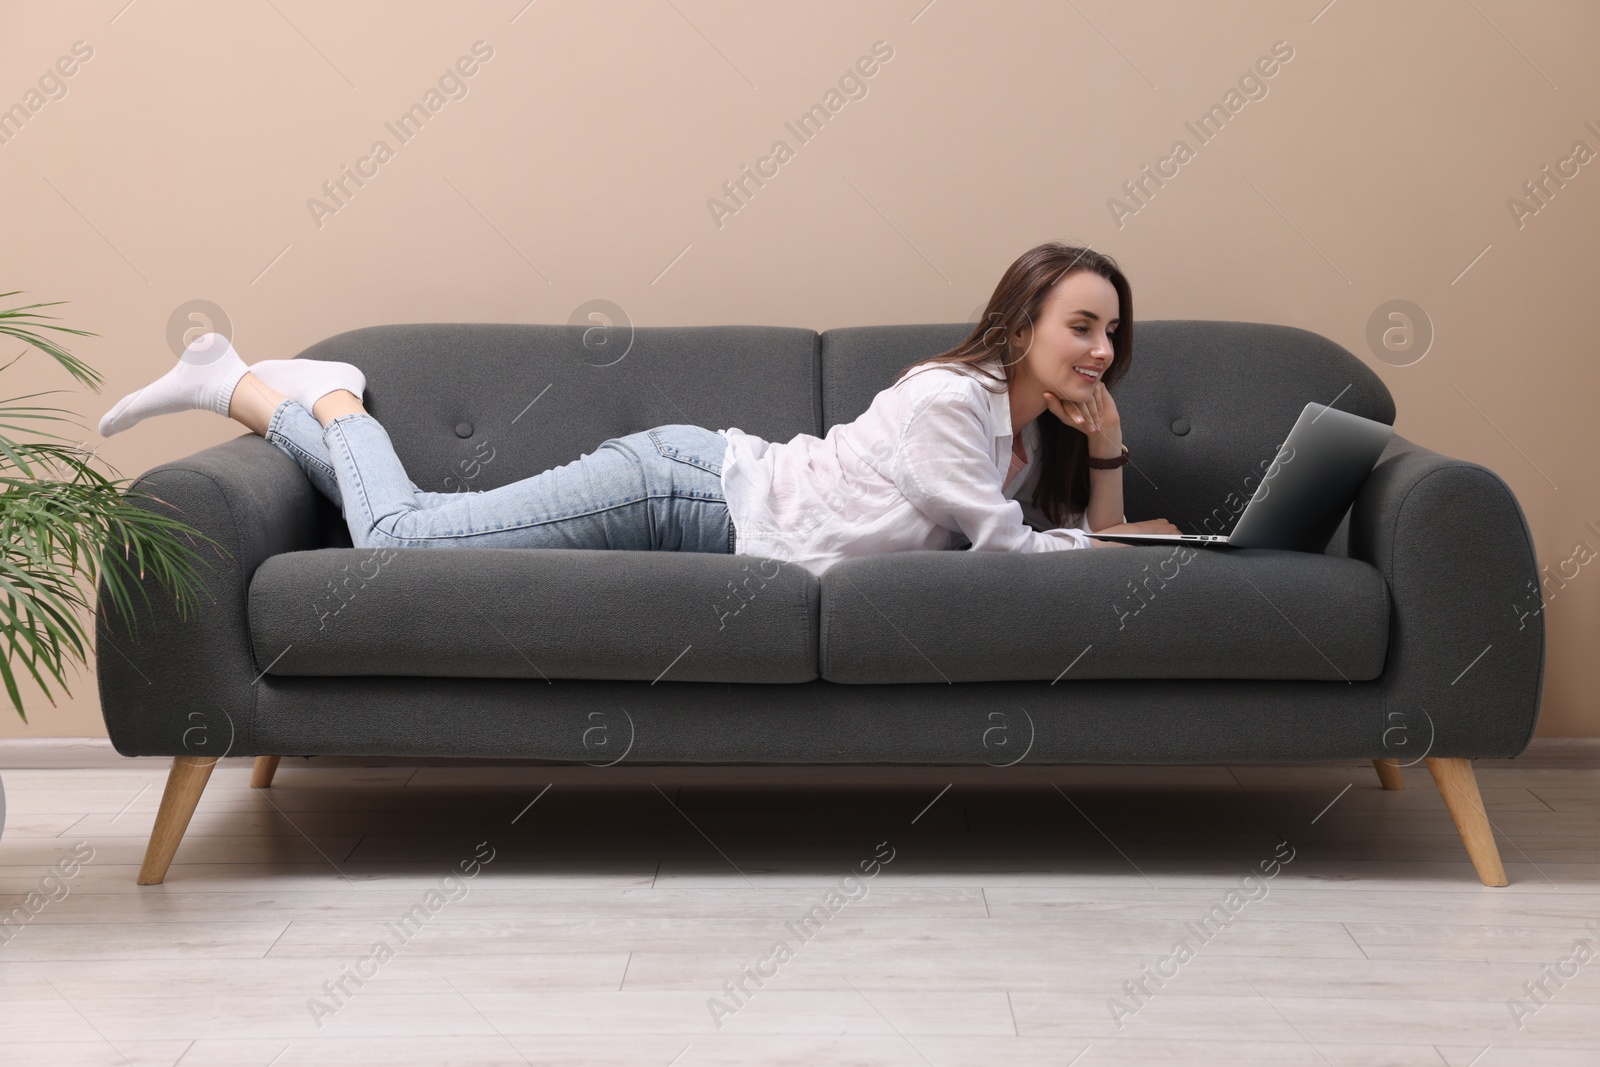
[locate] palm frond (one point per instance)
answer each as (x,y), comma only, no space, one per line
(23,324)
(66,530)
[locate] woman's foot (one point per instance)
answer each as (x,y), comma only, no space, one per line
(203,380)
(307,381)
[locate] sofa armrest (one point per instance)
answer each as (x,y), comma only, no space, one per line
(173,687)
(1465,668)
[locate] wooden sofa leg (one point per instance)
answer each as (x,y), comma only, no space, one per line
(261,774)
(1459,788)
(185,782)
(1389,773)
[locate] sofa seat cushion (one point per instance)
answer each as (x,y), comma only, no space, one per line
(1133,612)
(534,613)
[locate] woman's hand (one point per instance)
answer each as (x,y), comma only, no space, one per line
(1097,418)
(1156,526)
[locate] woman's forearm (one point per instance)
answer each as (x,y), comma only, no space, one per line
(1105,498)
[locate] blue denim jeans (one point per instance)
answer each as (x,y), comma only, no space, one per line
(657,490)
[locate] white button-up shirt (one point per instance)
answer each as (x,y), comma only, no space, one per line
(924,467)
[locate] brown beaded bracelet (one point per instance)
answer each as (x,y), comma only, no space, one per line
(1109,464)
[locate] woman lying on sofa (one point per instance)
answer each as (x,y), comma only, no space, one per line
(921,468)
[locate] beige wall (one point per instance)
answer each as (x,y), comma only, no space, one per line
(1377,166)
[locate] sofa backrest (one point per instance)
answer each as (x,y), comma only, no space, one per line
(539,396)
(1204,408)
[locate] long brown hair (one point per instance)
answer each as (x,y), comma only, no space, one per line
(1017,302)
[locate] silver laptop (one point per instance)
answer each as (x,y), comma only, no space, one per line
(1306,490)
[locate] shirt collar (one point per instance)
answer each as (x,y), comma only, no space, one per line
(1000,413)
(999,402)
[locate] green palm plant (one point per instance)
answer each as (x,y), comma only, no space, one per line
(64,527)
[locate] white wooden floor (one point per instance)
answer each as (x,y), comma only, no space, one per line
(610,912)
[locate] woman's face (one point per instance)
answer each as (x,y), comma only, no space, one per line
(1068,349)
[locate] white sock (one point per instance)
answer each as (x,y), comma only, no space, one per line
(203,380)
(308,380)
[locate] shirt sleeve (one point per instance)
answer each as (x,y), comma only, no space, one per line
(945,467)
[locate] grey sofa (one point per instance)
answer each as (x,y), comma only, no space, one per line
(1402,642)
